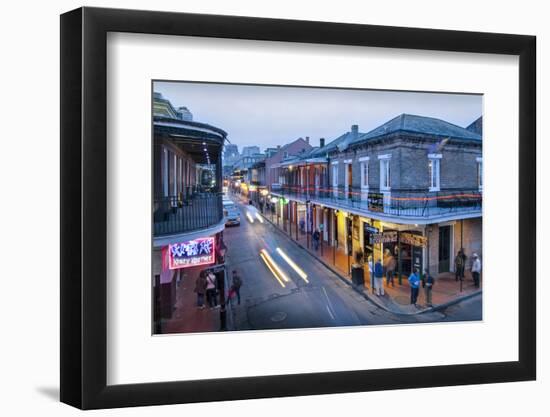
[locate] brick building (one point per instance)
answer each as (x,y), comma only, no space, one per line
(411,187)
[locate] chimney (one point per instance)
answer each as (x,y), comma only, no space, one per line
(321,142)
(354,131)
(307,140)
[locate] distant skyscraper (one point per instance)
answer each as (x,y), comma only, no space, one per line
(185,114)
(250,150)
(230,150)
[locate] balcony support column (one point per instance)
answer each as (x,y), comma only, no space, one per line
(399,259)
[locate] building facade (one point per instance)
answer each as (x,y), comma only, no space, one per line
(411,187)
(187,208)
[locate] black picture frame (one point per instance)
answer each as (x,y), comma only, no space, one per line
(84,207)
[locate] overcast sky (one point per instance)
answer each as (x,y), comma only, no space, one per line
(268,116)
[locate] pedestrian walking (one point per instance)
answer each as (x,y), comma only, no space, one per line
(389,266)
(428,286)
(476,269)
(460,262)
(371,272)
(379,278)
(211,297)
(236,285)
(302,226)
(316,238)
(200,289)
(414,282)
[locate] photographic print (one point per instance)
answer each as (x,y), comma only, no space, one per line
(285,207)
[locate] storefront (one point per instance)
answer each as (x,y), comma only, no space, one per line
(182,260)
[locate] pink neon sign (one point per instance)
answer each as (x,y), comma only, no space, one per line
(192,253)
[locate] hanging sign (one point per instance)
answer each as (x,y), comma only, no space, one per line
(414,240)
(375,201)
(192,253)
(385,237)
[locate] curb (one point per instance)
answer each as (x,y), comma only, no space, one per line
(365,294)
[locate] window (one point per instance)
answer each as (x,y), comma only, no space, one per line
(364,172)
(385,172)
(335,178)
(165,171)
(480,173)
(180,175)
(434,171)
(175,176)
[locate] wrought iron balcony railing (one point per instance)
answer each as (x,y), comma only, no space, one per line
(175,214)
(394,202)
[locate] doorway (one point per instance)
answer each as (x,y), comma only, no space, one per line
(348,183)
(444,248)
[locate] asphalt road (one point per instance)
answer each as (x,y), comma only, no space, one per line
(321,301)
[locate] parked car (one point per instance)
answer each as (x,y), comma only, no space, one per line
(231,213)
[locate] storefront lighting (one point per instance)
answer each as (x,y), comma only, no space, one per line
(274,200)
(293,265)
(264,192)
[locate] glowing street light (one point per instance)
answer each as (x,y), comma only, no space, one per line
(293,265)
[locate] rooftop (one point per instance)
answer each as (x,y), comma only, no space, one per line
(420,124)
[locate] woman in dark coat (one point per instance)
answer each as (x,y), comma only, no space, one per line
(200,289)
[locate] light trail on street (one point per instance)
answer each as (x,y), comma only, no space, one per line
(293,265)
(285,287)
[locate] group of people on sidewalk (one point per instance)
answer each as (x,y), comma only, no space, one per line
(460,267)
(206,285)
(378,272)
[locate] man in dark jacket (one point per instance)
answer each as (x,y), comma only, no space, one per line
(428,286)
(236,285)
(316,238)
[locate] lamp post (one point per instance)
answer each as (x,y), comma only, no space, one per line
(220,278)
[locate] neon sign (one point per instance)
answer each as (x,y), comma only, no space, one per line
(192,253)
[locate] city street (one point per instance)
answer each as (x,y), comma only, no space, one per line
(321,299)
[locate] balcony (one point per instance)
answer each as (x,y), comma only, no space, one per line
(399,204)
(174,215)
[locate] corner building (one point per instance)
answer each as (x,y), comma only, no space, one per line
(411,187)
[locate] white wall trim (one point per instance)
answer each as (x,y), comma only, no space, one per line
(364,158)
(385,156)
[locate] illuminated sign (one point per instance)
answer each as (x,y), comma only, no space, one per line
(414,240)
(192,253)
(384,237)
(375,201)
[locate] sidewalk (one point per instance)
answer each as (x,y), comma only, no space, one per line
(187,317)
(397,298)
